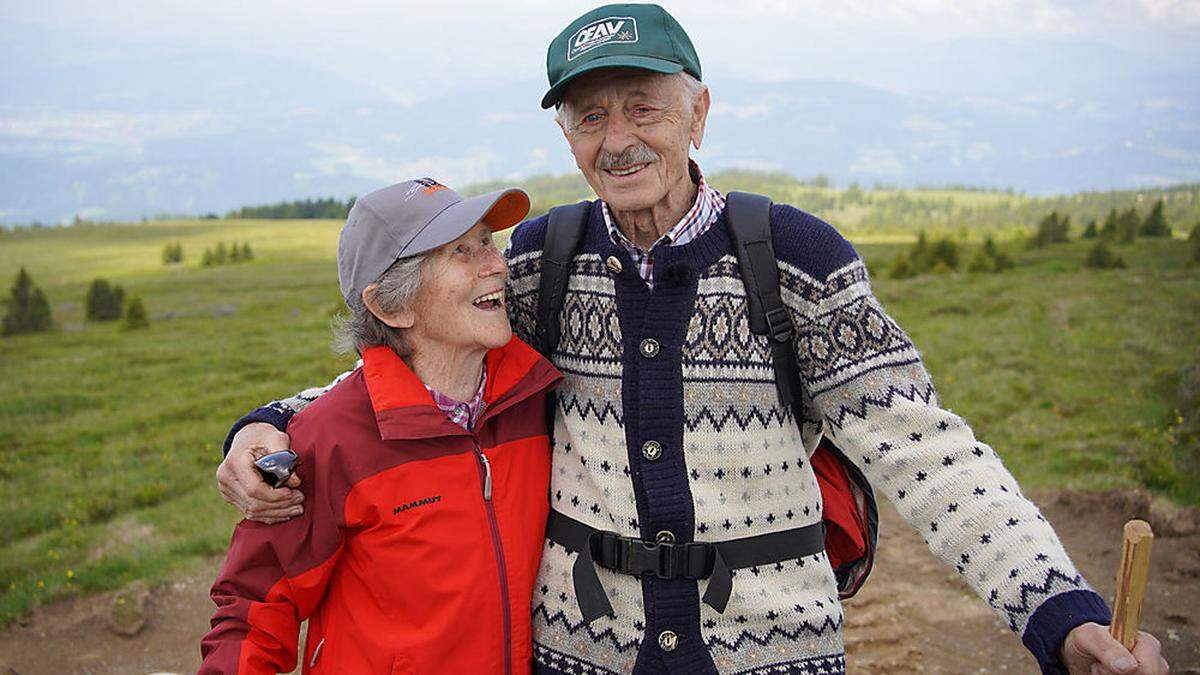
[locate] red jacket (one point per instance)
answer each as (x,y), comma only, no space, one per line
(402,562)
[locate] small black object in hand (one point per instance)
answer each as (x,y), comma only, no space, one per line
(276,468)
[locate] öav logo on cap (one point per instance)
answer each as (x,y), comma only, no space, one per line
(619,29)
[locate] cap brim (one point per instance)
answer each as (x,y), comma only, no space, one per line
(650,63)
(500,210)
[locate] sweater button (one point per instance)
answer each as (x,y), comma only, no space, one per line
(668,640)
(649,348)
(651,450)
(613,264)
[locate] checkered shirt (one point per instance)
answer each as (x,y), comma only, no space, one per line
(464,414)
(709,204)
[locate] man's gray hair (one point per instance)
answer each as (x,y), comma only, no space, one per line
(565,114)
(394,292)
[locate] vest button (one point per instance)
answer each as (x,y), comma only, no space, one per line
(613,264)
(651,450)
(649,348)
(668,640)
(664,537)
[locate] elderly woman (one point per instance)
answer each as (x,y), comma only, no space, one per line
(425,471)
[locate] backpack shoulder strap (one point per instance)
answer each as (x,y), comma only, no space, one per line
(749,219)
(564,233)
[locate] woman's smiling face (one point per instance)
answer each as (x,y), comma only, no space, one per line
(460,303)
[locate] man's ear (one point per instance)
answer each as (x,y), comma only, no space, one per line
(699,117)
(402,319)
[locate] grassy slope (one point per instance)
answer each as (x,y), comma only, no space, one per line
(108,439)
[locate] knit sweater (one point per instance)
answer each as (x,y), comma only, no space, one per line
(734,462)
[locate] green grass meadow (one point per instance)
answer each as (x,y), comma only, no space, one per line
(109,438)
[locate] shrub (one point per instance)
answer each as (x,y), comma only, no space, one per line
(1000,260)
(1101,257)
(1155,224)
(220,255)
(1052,229)
(1194,240)
(135,315)
(940,257)
(1091,231)
(172,253)
(901,267)
(104,301)
(944,252)
(28,311)
(980,263)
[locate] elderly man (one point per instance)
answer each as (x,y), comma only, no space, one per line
(669,428)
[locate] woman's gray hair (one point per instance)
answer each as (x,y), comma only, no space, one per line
(692,88)
(394,292)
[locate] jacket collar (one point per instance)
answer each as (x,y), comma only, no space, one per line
(404,409)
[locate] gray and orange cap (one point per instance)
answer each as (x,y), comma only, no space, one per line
(410,218)
(618,36)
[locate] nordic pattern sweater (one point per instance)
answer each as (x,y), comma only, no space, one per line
(734,463)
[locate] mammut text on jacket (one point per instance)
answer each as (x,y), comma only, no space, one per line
(419,544)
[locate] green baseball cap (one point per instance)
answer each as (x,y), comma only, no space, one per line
(630,36)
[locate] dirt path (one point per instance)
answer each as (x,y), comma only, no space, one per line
(913,616)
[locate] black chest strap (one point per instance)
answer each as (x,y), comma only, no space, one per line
(714,561)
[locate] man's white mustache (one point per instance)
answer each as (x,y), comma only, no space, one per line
(638,154)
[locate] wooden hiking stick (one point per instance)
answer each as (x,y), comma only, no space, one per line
(1131,582)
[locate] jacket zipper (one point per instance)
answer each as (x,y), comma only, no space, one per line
(486,476)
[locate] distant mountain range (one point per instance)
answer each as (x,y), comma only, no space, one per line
(109,138)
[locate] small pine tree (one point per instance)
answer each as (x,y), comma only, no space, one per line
(220,254)
(1155,224)
(1091,231)
(28,311)
(247,254)
(1052,229)
(135,315)
(1128,224)
(104,301)
(235,253)
(1101,257)
(207,260)
(943,252)
(918,258)
(1109,230)
(1194,240)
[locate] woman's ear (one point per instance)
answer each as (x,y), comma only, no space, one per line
(402,319)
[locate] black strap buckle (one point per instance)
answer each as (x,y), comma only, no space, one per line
(779,324)
(665,560)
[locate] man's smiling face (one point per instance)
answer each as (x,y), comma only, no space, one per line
(629,131)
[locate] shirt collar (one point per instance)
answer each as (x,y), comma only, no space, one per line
(462,413)
(708,205)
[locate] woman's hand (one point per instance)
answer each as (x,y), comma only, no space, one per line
(242,485)
(1090,650)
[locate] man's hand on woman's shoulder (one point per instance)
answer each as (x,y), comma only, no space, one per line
(241,484)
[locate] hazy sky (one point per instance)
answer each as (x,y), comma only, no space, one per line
(131,107)
(412,50)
